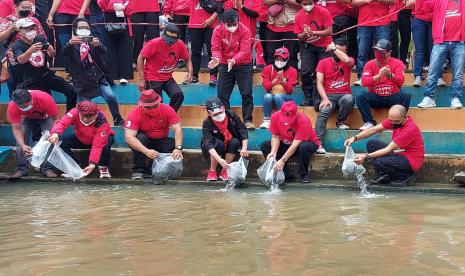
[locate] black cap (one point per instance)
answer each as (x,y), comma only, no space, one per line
(230,16)
(383,45)
(171,33)
(213,104)
(21,96)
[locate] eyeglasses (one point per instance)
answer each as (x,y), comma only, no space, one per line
(87,116)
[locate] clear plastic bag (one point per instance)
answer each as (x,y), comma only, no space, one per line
(237,172)
(62,161)
(164,167)
(40,150)
(271,178)
(349,167)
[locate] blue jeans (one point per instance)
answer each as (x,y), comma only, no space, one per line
(456,52)
(423,40)
(109,97)
(97,30)
(366,38)
(64,34)
(277,99)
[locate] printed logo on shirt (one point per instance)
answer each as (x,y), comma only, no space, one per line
(128,123)
(37,59)
(335,84)
(384,89)
(453,9)
(69,115)
(103,133)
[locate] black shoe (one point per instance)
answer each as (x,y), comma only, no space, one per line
(118,122)
(404,182)
(305,178)
(181,64)
(289,178)
(381,180)
(194,80)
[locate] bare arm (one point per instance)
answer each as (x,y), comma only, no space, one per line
(18,134)
(358,3)
(85,6)
(320,77)
(55,5)
(140,69)
(326,32)
(7,32)
(133,142)
(178,136)
(275,142)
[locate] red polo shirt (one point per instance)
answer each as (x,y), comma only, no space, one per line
(301,129)
(43,106)
(317,19)
(155,126)
(336,75)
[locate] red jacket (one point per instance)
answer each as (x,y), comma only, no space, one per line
(439,8)
(178,7)
(96,134)
(227,45)
(250,22)
(384,86)
(270,73)
(420,12)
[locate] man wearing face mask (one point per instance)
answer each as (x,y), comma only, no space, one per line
(313,26)
(231,51)
(384,77)
(158,60)
(147,130)
(91,131)
(396,162)
(223,135)
(31,52)
(333,84)
(279,80)
(30,112)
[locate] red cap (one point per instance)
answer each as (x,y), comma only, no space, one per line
(282,52)
(149,98)
(288,112)
(87,108)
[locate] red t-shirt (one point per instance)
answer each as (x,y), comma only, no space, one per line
(136,6)
(156,126)
(198,16)
(384,86)
(301,129)
(6,8)
(453,23)
(410,142)
(336,75)
(317,19)
(372,11)
(161,58)
(43,106)
(392,10)
(72,7)
(420,12)
(334,8)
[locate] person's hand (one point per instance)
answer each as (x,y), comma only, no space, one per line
(349,141)
(177,154)
(81,15)
(384,71)
(244,153)
(53,138)
(75,40)
(49,21)
(325,103)
(168,17)
(214,62)
(280,75)
(330,47)
(27,151)
(223,163)
(141,85)
(308,31)
(88,170)
(96,42)
(207,23)
(271,155)
(152,154)
(279,165)
(231,63)
(35,47)
(359,159)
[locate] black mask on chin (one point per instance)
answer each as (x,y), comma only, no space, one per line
(24,13)
(399,125)
(336,59)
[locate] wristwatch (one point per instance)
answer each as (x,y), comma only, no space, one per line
(284,159)
(333,49)
(179,147)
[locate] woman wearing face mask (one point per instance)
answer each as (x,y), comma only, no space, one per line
(91,131)
(87,54)
(279,80)
(223,135)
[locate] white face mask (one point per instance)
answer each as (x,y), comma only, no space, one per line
(280,64)
(31,35)
(219,117)
(83,32)
(308,7)
(87,124)
(25,108)
(232,29)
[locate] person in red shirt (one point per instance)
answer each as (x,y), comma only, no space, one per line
(231,51)
(178,11)
(313,26)
(248,12)
(373,25)
(341,21)
(292,134)
(91,131)
(29,112)
(147,130)
(158,60)
(397,162)
(384,77)
(333,84)
(279,80)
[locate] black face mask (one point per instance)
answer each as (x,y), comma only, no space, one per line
(24,13)
(336,59)
(169,43)
(396,126)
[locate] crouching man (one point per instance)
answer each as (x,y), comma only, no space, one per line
(223,135)
(147,129)
(292,134)
(397,161)
(91,131)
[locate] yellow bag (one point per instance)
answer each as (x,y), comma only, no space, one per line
(278,89)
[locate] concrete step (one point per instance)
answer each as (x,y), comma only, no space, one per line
(438,169)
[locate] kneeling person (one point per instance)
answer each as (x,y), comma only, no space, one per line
(223,135)
(147,130)
(91,131)
(397,161)
(292,134)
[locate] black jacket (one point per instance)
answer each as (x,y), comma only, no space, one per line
(211,133)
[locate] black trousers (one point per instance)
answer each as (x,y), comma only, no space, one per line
(367,101)
(340,23)
(394,165)
(292,45)
(198,37)
(171,88)
(405,30)
(163,145)
(304,154)
(263,33)
(243,76)
(352,45)
(181,22)
(310,56)
(70,141)
(394,38)
(52,82)
(140,31)
(233,146)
